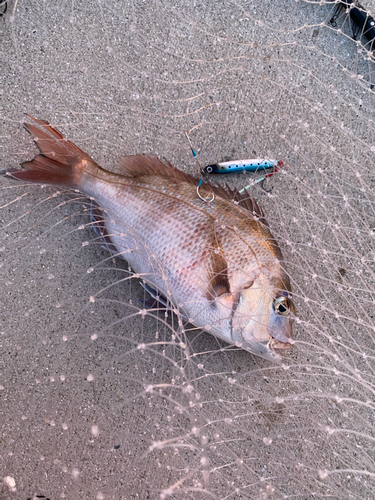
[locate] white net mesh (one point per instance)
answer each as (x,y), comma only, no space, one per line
(101,399)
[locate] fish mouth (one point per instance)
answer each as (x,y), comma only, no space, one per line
(277,344)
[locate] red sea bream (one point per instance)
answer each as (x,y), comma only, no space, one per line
(217,262)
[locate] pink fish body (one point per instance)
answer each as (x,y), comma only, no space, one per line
(216,262)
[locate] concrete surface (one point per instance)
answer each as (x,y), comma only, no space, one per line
(84,413)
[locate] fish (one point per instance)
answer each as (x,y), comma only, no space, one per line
(214,261)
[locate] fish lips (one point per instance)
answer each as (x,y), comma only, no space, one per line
(254,337)
(265,350)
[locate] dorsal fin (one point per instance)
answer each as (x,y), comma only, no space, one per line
(142,165)
(243,200)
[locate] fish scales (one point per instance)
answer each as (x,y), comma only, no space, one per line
(180,234)
(218,262)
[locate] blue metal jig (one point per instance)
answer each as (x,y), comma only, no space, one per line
(251,165)
(229,167)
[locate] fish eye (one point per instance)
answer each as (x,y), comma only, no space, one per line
(281,306)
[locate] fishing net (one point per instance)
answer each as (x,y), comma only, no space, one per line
(102,398)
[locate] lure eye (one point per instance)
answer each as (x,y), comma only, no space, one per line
(281,306)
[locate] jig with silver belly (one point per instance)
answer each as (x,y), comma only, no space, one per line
(251,165)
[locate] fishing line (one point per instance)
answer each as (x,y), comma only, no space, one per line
(203,173)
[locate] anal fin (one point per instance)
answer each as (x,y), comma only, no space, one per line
(98,224)
(157,300)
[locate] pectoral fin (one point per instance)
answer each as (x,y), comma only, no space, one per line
(217,275)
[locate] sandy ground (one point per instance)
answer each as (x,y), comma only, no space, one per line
(85,413)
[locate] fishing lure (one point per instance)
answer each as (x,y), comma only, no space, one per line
(235,166)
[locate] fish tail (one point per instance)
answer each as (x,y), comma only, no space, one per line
(60,162)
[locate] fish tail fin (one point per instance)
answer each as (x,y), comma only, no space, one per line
(60,162)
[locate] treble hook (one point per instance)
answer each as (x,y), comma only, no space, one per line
(262,179)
